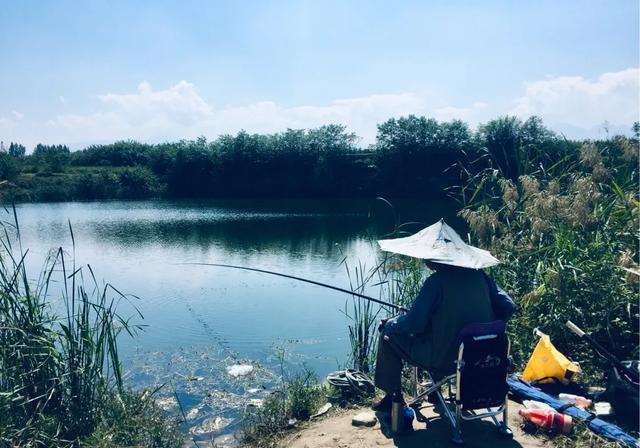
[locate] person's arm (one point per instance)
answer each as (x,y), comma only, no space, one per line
(503,305)
(416,319)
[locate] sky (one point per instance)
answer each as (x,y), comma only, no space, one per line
(85,72)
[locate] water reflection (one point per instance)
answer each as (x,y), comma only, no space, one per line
(290,234)
(199,320)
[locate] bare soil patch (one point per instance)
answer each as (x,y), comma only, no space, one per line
(337,432)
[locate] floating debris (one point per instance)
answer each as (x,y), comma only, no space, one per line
(195,378)
(226,441)
(192,413)
(256,402)
(221,400)
(238,370)
(167,404)
(210,425)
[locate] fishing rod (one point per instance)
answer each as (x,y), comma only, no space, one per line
(632,374)
(313,282)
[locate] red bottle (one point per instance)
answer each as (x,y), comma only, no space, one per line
(547,419)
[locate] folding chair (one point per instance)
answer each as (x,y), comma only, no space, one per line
(479,381)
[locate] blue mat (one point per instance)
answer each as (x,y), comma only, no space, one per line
(525,391)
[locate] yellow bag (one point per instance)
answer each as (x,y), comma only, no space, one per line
(547,362)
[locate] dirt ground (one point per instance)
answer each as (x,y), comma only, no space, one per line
(337,432)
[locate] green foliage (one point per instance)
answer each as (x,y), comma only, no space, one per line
(413,157)
(298,397)
(568,241)
(138,182)
(122,153)
(363,316)
(9,167)
(396,280)
(102,184)
(17,150)
(305,395)
(134,419)
(51,157)
(423,150)
(60,375)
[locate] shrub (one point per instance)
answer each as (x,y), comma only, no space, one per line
(569,246)
(138,182)
(298,397)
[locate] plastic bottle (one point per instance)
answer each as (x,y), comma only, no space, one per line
(532,404)
(549,420)
(397,413)
(576,400)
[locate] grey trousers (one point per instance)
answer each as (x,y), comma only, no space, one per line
(389,364)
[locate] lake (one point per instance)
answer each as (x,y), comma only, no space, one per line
(201,320)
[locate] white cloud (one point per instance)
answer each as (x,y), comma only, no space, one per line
(9,125)
(576,102)
(62,99)
(472,114)
(571,104)
(180,112)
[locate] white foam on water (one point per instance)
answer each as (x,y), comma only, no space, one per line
(239,370)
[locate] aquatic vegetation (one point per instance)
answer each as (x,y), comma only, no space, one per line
(394,279)
(60,374)
(297,397)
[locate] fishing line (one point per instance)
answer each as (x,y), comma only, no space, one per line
(313,282)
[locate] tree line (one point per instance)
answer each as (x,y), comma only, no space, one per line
(412,157)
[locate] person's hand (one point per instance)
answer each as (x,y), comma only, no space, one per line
(381,326)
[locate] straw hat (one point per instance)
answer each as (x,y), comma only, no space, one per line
(441,244)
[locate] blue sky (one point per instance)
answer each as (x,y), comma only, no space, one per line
(97,71)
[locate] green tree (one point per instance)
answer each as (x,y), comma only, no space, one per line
(17,150)
(138,182)
(9,168)
(501,140)
(52,157)
(424,151)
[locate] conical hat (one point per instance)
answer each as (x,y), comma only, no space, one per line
(441,244)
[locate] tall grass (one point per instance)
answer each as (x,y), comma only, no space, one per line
(396,280)
(296,398)
(568,238)
(58,372)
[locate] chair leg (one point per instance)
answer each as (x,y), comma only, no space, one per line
(456,433)
(504,426)
(456,430)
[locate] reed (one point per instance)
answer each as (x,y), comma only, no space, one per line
(567,235)
(59,371)
(397,280)
(296,398)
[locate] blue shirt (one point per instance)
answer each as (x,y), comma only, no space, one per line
(430,297)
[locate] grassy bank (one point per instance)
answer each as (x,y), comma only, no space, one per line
(60,375)
(567,235)
(568,239)
(567,232)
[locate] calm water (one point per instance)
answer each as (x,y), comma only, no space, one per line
(200,320)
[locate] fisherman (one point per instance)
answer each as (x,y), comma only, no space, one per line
(457,293)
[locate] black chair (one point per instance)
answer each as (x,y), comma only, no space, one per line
(479,381)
